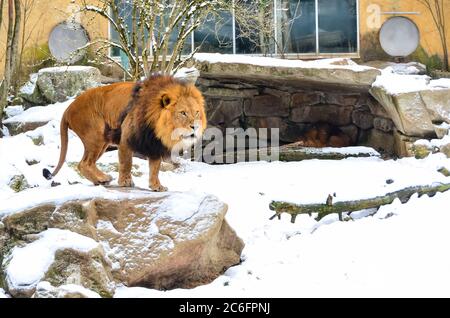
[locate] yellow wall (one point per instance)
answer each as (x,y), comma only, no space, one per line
(48,13)
(430,40)
(45,15)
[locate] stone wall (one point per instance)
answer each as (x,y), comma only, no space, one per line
(237,103)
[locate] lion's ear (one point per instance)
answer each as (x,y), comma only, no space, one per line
(165,100)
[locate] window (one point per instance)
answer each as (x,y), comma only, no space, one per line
(337,26)
(296,21)
(216,34)
(278,27)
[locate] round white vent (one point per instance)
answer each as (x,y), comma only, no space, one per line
(65,40)
(399,36)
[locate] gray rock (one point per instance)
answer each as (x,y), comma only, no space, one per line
(18,183)
(376,108)
(31,93)
(437,102)
(266,105)
(332,114)
(151,240)
(381,141)
(229,92)
(223,112)
(338,75)
(58,84)
(362,118)
(403,144)
(445,149)
(46,290)
(18,127)
(383,124)
(351,131)
(306,99)
(407,111)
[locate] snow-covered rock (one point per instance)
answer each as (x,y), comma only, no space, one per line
(46,290)
(186,74)
(338,71)
(58,84)
(413,102)
(31,93)
(35,117)
(163,241)
(58,256)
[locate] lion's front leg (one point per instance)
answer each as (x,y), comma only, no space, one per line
(155,185)
(125,162)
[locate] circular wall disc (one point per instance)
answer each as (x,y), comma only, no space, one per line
(399,36)
(64,41)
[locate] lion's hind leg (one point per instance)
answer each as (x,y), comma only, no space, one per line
(88,167)
(125,163)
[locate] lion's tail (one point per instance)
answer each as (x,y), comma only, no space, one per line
(63,152)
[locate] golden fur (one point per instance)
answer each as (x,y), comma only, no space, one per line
(323,135)
(149,117)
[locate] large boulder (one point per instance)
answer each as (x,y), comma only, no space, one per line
(407,111)
(30,93)
(58,84)
(35,117)
(60,257)
(413,102)
(133,237)
(331,72)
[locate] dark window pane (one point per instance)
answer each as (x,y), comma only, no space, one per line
(296,21)
(215,34)
(255,28)
(337,26)
(125,11)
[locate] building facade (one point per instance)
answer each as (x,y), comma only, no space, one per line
(298,28)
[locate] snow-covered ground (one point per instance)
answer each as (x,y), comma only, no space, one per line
(399,251)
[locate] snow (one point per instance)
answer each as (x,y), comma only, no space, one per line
(41,253)
(40,113)
(395,84)
(58,195)
(63,290)
(357,150)
(63,69)
(399,251)
(11,111)
(333,63)
(30,86)
(435,143)
(187,72)
(412,68)
(3,294)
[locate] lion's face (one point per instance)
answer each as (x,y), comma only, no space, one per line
(182,119)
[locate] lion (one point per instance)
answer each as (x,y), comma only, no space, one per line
(323,135)
(150,118)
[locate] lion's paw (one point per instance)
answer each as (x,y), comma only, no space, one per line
(127,183)
(158,188)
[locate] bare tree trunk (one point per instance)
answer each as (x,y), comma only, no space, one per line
(15,43)
(8,57)
(1,12)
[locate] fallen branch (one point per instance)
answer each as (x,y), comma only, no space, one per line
(291,153)
(350,206)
